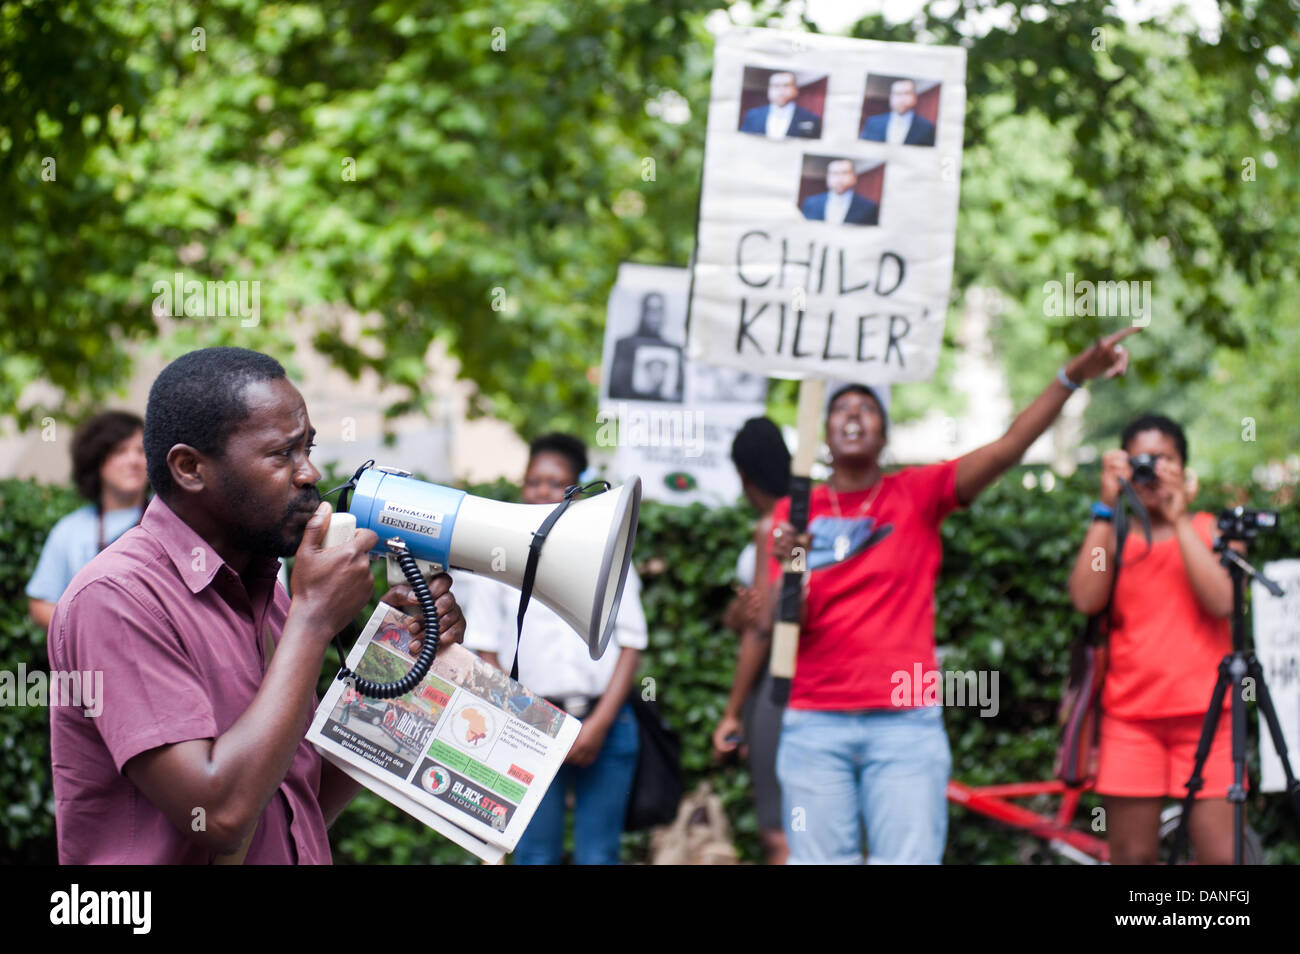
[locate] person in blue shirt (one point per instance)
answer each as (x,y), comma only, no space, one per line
(108,467)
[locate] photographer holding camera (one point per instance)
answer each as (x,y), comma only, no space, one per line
(1169,630)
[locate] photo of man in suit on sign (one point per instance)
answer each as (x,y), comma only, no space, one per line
(782,117)
(901,125)
(841,204)
(646,366)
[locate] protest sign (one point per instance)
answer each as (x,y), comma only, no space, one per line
(1277,646)
(671,420)
(829,206)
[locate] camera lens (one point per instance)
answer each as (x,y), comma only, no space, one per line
(1144,468)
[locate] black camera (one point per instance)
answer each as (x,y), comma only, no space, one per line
(1144,468)
(1242,523)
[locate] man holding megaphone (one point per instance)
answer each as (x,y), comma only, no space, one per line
(208,668)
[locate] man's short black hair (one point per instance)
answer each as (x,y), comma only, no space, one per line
(92,444)
(760,455)
(1156,422)
(198,400)
(566,445)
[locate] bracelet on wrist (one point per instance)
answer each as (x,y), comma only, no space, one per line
(1101,512)
(1064,379)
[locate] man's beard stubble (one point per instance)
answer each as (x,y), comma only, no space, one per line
(273,540)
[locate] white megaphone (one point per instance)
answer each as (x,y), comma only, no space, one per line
(580,568)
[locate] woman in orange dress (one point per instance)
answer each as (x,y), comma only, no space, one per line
(1169,630)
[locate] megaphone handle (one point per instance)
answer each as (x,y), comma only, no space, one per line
(390,690)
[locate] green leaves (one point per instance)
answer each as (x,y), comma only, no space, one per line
(400,159)
(27,512)
(1124,151)
(410,160)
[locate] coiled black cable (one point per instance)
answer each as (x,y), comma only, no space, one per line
(390,690)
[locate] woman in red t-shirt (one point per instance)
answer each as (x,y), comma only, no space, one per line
(1169,631)
(862,739)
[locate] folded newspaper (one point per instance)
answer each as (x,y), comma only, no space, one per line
(469,751)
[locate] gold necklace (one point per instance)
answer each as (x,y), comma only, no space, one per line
(842,541)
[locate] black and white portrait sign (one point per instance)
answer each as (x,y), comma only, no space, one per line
(672,420)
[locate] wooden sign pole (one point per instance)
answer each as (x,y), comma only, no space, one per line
(785,634)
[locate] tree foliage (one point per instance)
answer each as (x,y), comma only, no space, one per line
(463,172)
(1150,152)
(473,173)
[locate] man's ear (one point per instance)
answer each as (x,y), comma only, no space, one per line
(187,468)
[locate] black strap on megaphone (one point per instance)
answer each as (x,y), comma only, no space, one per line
(346,498)
(535,552)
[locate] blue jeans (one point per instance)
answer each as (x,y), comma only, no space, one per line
(602,790)
(884,770)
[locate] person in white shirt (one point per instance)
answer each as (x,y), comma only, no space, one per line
(782,117)
(901,125)
(554,662)
(841,204)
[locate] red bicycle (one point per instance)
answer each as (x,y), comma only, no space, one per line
(1060,831)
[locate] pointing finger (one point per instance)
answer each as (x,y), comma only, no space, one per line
(1120,335)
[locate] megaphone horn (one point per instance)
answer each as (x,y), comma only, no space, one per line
(580,560)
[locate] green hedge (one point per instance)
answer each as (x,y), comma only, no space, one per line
(27,512)
(1001,606)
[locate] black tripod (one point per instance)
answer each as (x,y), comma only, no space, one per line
(1234,669)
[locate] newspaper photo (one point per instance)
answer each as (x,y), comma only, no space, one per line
(469,751)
